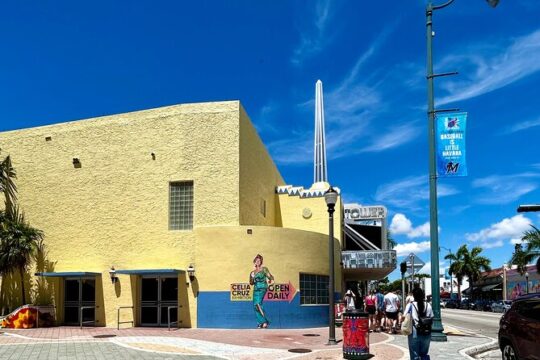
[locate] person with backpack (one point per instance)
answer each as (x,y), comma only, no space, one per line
(381,319)
(422,318)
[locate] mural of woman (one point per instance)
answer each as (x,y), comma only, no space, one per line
(260,278)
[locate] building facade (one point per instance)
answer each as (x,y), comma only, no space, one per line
(129,203)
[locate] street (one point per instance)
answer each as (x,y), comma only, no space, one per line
(478,322)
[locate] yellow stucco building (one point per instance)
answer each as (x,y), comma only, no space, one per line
(130,202)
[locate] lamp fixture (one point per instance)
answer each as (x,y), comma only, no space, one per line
(76,162)
(191,272)
(112,274)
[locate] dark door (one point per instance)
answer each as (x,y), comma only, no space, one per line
(79,293)
(159,298)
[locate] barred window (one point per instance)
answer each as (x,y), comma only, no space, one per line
(181,205)
(314,289)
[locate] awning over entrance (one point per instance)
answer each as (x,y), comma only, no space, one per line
(490,287)
(68,274)
(150,272)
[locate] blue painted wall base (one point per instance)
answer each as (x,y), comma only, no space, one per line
(216,310)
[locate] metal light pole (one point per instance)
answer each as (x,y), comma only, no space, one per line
(437,329)
(411,255)
(330,196)
(527,280)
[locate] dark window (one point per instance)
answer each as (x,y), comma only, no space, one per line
(530,309)
(181,205)
(313,289)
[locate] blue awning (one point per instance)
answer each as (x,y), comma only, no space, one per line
(68,274)
(150,272)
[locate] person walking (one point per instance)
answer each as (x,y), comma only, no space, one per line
(392,305)
(370,306)
(350,300)
(381,319)
(422,317)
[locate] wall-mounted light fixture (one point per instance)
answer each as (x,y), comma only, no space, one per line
(112,274)
(191,272)
(76,162)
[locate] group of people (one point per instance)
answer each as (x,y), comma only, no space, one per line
(387,311)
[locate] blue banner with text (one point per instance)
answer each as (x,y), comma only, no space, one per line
(450,144)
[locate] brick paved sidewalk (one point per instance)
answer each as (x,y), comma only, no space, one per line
(231,344)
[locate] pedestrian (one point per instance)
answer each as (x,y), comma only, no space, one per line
(371,308)
(400,298)
(421,314)
(381,319)
(391,302)
(409,298)
(350,300)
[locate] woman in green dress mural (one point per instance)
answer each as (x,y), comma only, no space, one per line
(260,278)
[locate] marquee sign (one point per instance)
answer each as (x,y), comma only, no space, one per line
(356,212)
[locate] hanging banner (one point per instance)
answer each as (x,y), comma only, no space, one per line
(450,144)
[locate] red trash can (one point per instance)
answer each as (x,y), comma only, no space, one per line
(356,335)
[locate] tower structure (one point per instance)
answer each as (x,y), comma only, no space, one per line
(319,171)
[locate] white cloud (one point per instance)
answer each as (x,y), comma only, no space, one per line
(524,125)
(508,228)
(504,189)
(314,39)
(491,70)
(516,241)
(426,269)
(412,247)
(402,225)
(410,192)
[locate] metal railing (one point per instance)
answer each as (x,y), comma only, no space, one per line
(169,323)
(43,307)
(369,259)
(118,322)
(88,321)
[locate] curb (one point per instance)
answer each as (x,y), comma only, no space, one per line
(470,352)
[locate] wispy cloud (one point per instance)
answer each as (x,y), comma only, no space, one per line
(315,37)
(504,189)
(410,193)
(509,229)
(524,125)
(491,70)
(351,107)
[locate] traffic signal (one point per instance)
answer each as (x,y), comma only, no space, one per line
(403,267)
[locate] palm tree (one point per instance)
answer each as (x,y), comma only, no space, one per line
(532,238)
(18,244)
(519,258)
(7,184)
(390,240)
(474,264)
(456,266)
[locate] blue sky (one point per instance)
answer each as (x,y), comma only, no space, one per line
(66,60)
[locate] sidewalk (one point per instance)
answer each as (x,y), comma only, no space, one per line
(256,344)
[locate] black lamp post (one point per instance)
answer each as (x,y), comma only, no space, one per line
(527,280)
(330,196)
(437,328)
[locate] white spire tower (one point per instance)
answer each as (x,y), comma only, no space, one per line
(320,175)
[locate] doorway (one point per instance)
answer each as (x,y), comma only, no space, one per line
(79,293)
(159,298)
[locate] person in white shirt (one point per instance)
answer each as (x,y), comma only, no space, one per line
(409,298)
(349,300)
(392,306)
(418,343)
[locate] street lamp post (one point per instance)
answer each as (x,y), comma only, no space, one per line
(527,280)
(437,329)
(330,196)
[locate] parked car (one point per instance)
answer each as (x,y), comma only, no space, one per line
(452,304)
(519,329)
(481,305)
(501,305)
(465,304)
